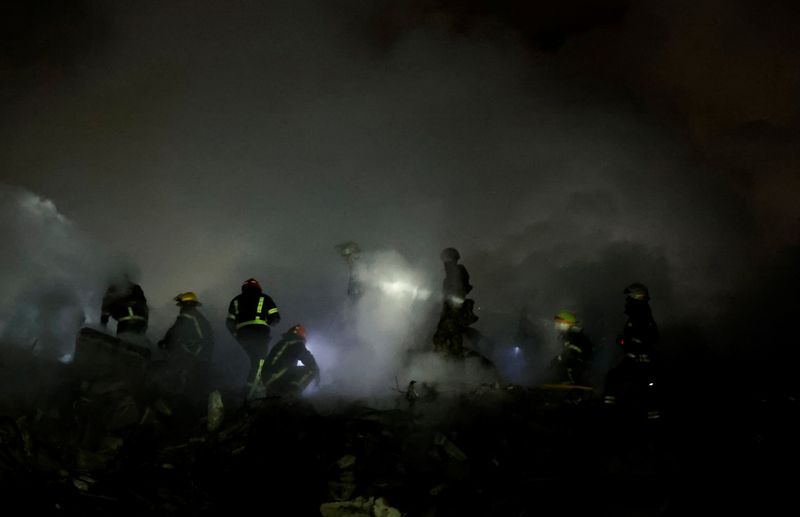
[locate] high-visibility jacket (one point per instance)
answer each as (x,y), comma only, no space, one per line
(252,310)
(191,334)
(282,360)
(576,346)
(125,304)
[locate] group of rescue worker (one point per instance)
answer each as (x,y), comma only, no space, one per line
(635,373)
(286,369)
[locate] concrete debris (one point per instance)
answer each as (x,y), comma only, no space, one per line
(342,488)
(216,411)
(346,461)
(437,489)
(359,507)
(382,509)
(106,441)
(162,407)
(101,355)
(449,447)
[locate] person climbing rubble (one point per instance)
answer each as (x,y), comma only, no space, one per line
(124,301)
(351,252)
(457,310)
(250,316)
(189,342)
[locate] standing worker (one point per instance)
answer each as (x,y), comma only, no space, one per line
(125,302)
(250,316)
(574,361)
(351,252)
(456,286)
(457,310)
(633,379)
(190,345)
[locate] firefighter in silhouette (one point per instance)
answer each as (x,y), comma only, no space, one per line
(351,252)
(190,345)
(634,380)
(250,316)
(572,364)
(457,310)
(289,367)
(125,302)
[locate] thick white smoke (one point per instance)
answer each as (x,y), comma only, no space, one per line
(556,194)
(384,339)
(378,330)
(52,274)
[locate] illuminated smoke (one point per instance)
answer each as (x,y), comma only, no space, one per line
(52,275)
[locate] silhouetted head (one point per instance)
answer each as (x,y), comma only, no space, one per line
(637,291)
(637,301)
(251,285)
(349,249)
(450,255)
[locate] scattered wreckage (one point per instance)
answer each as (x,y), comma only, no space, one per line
(106,439)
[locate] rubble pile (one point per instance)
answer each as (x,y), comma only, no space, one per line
(106,441)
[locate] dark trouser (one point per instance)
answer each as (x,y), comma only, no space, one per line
(454,324)
(192,376)
(132,327)
(448,338)
(573,372)
(292,380)
(255,342)
(635,385)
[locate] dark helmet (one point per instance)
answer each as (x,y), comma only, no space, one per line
(251,284)
(450,255)
(348,249)
(637,291)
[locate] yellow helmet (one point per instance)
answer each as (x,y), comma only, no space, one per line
(187,297)
(566,317)
(637,291)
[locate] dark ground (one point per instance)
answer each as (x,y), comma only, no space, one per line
(496,450)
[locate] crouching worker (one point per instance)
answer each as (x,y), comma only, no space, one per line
(289,367)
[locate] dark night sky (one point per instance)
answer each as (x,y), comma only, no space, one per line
(565,147)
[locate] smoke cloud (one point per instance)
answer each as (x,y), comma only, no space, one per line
(212,142)
(52,274)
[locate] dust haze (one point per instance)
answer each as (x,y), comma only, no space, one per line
(204,143)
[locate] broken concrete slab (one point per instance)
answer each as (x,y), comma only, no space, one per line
(216,411)
(359,507)
(99,355)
